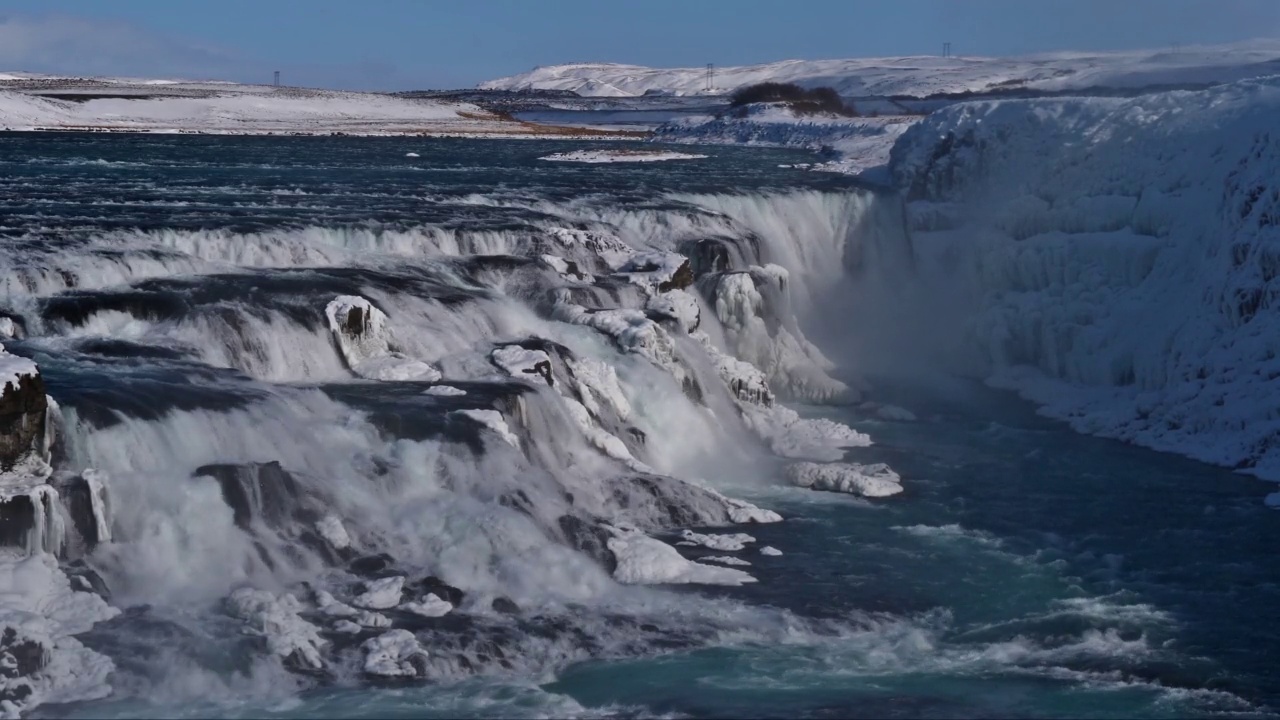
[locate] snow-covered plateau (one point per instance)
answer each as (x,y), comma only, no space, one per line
(118,105)
(922,76)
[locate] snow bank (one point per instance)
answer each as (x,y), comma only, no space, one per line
(620,156)
(1113,260)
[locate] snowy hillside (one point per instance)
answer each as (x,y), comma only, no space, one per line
(922,75)
(1114,260)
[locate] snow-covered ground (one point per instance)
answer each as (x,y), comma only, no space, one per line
(1114,260)
(922,75)
(29,103)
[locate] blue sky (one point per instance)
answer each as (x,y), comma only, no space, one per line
(399,44)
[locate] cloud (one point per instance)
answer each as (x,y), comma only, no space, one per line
(63,44)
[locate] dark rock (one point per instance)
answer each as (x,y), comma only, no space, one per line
(682,278)
(77,497)
(506,606)
(17,520)
(372,566)
(84,578)
(262,491)
(589,538)
(638,435)
(23,407)
(435,586)
(20,657)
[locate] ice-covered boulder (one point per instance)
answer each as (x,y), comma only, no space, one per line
(24,431)
(877,480)
(645,560)
(395,654)
(297,642)
(368,347)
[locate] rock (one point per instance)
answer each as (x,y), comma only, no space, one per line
(589,538)
(432,585)
(23,412)
(371,566)
(506,606)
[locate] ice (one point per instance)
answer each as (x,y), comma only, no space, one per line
(645,560)
(276,619)
(411,155)
(445,391)
(13,369)
(380,594)
(493,420)
(792,436)
(346,626)
(727,543)
(38,606)
(329,605)
(1108,258)
(395,653)
(429,606)
(726,560)
(770,550)
(620,156)
(362,331)
(876,480)
(523,364)
(331,528)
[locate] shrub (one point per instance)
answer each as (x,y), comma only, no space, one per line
(804,101)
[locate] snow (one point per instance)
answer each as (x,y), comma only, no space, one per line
(14,368)
(792,436)
(862,143)
(277,620)
(523,364)
(866,480)
(412,155)
(241,109)
(429,606)
(725,543)
(645,560)
(38,604)
(362,332)
(444,391)
(391,654)
(620,156)
(330,528)
(1111,260)
(493,420)
(726,560)
(920,76)
(380,594)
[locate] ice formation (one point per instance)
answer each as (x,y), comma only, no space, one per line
(866,480)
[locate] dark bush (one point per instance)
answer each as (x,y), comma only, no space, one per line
(805,101)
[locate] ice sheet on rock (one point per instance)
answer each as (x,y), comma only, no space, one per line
(791,436)
(362,333)
(608,248)
(657,271)
(429,606)
(620,156)
(276,619)
(395,653)
(523,364)
(13,368)
(745,380)
(678,304)
(380,594)
(38,605)
(445,391)
(597,383)
(726,560)
(493,420)
(725,543)
(630,330)
(331,529)
(876,480)
(643,560)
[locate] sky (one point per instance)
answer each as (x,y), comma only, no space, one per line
(427,44)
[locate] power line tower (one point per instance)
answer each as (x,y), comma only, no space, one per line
(276,81)
(946,49)
(711,74)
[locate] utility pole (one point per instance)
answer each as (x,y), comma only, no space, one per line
(946,49)
(711,72)
(276,82)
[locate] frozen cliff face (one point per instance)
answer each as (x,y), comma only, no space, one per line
(1115,260)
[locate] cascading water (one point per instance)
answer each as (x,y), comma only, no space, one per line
(337,432)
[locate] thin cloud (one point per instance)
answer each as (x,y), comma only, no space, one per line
(63,44)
